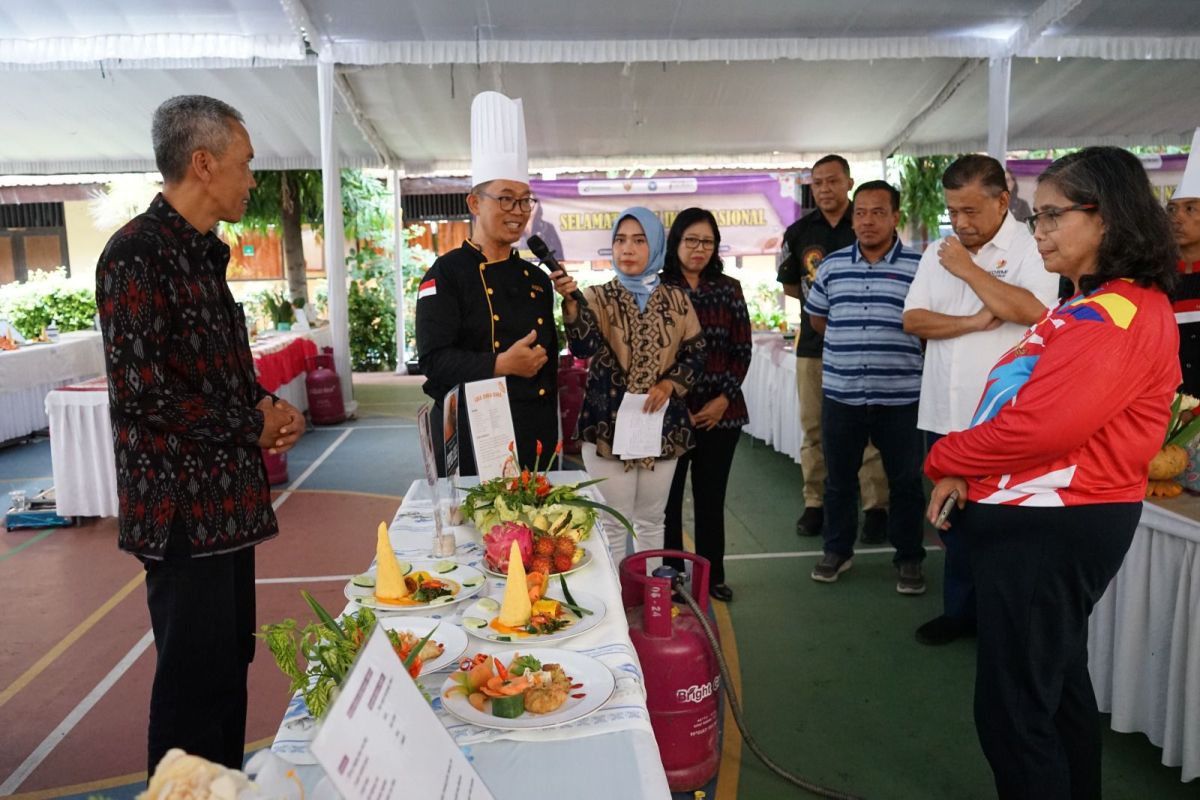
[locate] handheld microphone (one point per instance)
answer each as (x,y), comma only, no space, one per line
(548,260)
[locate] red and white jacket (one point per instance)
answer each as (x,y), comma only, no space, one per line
(1075,412)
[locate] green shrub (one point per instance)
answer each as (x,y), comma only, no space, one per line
(372,303)
(762,301)
(48,297)
(372,312)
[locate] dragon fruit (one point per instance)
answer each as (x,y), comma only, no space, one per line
(497,544)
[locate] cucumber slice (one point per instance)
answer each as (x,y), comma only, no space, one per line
(364,580)
(488,604)
(443,600)
(474,622)
(508,707)
(470,583)
(405,567)
(442,567)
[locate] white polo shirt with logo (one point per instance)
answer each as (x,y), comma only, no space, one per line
(956,369)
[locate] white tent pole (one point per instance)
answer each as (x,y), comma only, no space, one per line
(398,249)
(999,75)
(335,234)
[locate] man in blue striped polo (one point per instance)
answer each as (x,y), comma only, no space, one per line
(871,374)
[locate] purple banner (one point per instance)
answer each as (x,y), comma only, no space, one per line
(575,217)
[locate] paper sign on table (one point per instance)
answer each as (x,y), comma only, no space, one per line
(491,425)
(380,739)
(638,433)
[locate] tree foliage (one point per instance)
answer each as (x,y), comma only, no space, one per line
(921,199)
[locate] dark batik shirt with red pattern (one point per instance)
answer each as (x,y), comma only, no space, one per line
(721,307)
(182,390)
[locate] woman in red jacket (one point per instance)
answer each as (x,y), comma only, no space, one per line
(1051,475)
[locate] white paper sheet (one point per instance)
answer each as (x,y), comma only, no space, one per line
(491,425)
(380,739)
(638,434)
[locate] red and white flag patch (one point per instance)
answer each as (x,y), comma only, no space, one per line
(427,289)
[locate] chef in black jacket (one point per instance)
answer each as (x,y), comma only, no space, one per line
(482,311)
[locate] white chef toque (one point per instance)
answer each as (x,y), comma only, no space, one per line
(498,150)
(1190,185)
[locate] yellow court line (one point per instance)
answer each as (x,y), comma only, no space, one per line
(731,742)
(70,639)
(109,783)
(730,769)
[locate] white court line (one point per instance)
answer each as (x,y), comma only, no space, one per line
(311,469)
(48,744)
(364,427)
(14,781)
(814,553)
(315,579)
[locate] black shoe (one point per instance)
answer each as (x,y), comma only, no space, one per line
(874,529)
(830,567)
(811,521)
(720,592)
(944,630)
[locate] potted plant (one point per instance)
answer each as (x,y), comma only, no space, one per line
(280,310)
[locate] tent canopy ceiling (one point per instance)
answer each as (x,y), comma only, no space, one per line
(626,83)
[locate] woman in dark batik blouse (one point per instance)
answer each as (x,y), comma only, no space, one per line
(715,403)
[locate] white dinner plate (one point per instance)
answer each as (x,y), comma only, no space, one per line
(597,686)
(466,582)
(583,562)
(487,608)
(450,636)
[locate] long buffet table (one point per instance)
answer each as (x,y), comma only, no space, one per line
(770,392)
(81,448)
(1144,635)
(28,374)
(611,753)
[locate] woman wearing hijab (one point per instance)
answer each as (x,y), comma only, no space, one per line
(717,408)
(644,338)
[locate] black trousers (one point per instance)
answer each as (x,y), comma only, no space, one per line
(533,421)
(710,462)
(202,612)
(1038,573)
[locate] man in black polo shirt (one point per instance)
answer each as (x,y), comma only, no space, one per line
(806,242)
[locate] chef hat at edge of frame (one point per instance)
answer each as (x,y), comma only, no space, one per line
(498,150)
(1190,185)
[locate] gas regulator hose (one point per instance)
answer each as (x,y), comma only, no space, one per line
(735,707)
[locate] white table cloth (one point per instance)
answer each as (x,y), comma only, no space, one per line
(81,449)
(27,375)
(770,392)
(609,754)
(1144,635)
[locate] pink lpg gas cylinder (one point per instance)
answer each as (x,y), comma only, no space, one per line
(276,463)
(683,680)
(324,389)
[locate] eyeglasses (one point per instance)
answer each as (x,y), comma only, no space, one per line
(696,243)
(1047,220)
(508,203)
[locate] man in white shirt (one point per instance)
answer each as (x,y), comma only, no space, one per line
(973,296)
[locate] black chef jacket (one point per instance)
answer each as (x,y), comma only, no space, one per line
(468,311)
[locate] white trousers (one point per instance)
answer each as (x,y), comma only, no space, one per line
(640,494)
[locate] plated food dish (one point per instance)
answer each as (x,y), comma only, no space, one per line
(430,584)
(529,689)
